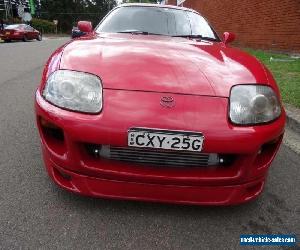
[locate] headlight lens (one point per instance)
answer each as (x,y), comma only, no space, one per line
(253,104)
(74,90)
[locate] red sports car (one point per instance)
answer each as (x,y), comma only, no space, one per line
(20,32)
(152,105)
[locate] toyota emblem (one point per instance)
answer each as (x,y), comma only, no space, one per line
(167,102)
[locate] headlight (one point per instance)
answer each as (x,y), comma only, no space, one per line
(74,90)
(253,104)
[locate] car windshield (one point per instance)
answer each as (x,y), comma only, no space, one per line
(157,20)
(13,26)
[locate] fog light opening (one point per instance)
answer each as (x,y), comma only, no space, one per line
(94,150)
(51,130)
(226,160)
(267,151)
(47,124)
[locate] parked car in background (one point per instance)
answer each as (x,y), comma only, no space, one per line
(77,32)
(153,105)
(20,32)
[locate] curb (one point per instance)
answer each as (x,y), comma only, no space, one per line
(293,118)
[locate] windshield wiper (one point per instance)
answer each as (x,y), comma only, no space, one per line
(138,32)
(135,32)
(197,37)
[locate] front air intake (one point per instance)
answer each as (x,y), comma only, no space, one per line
(151,157)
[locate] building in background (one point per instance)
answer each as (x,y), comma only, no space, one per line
(262,24)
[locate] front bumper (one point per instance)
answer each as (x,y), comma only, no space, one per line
(125,190)
(71,168)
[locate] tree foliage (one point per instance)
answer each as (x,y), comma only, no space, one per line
(43,26)
(68,12)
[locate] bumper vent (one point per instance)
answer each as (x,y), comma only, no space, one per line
(152,157)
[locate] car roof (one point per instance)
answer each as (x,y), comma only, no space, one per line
(17,24)
(157,6)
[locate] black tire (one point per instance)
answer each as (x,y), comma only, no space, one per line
(7,41)
(40,37)
(25,39)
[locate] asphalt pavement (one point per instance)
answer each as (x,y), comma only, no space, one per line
(35,214)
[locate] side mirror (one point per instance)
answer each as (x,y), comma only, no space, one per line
(228,37)
(85,26)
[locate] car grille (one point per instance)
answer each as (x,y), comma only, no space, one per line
(152,157)
(159,157)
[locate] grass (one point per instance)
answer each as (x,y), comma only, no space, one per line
(287,74)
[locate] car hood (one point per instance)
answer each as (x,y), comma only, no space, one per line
(162,64)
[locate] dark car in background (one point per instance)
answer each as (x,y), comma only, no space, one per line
(76,32)
(20,32)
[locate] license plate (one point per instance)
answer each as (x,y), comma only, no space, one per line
(165,139)
(7,33)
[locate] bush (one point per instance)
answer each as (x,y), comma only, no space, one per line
(43,26)
(13,21)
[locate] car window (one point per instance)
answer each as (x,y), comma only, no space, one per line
(136,19)
(13,26)
(178,23)
(199,25)
(161,21)
(28,28)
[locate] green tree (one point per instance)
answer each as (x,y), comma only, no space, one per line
(68,12)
